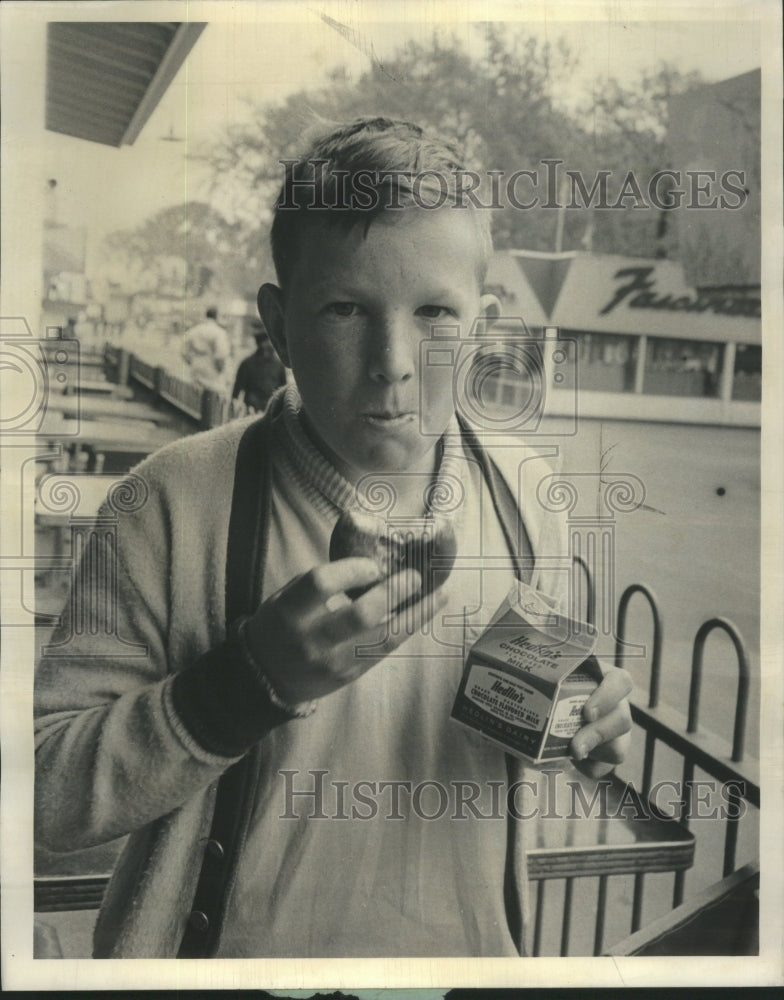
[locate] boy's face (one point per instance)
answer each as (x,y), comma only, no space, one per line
(356,311)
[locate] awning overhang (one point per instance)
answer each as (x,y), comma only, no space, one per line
(104,79)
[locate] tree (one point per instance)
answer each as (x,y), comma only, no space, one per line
(186,250)
(500,109)
(504,111)
(630,125)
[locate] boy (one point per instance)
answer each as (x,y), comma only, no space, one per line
(360,830)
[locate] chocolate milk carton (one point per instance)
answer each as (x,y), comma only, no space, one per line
(527,678)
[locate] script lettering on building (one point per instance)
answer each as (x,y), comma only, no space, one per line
(638,291)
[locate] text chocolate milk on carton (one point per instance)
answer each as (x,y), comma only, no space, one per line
(528,676)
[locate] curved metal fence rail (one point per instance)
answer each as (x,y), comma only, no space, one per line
(653,701)
(583,574)
(738,741)
(664,725)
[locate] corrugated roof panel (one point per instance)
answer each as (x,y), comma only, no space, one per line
(104,79)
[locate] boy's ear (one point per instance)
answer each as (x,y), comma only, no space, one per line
(272,312)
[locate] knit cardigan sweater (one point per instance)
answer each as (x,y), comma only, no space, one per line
(132,738)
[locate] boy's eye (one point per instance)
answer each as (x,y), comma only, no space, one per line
(342,309)
(434,312)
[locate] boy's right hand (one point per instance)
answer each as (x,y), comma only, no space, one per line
(304,638)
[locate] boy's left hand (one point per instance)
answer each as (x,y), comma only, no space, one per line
(604,740)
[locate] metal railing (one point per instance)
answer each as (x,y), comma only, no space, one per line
(653,701)
(679,733)
(665,726)
(186,396)
(140,371)
(202,408)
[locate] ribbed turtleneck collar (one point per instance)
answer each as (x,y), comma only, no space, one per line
(329,491)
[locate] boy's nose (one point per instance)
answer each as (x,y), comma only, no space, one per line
(392,351)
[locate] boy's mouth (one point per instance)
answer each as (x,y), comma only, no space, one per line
(388,418)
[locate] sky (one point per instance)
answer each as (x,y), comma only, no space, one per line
(253,52)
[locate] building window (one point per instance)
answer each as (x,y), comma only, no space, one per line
(606,362)
(747,375)
(682,368)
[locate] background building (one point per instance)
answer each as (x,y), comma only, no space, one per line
(641,344)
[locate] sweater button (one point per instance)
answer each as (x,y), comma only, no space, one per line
(215,848)
(199,920)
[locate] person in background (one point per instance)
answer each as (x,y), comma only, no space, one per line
(259,375)
(205,350)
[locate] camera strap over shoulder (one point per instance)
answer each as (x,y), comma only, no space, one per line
(245,557)
(507,509)
(506,506)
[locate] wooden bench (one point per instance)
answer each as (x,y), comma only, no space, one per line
(97,408)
